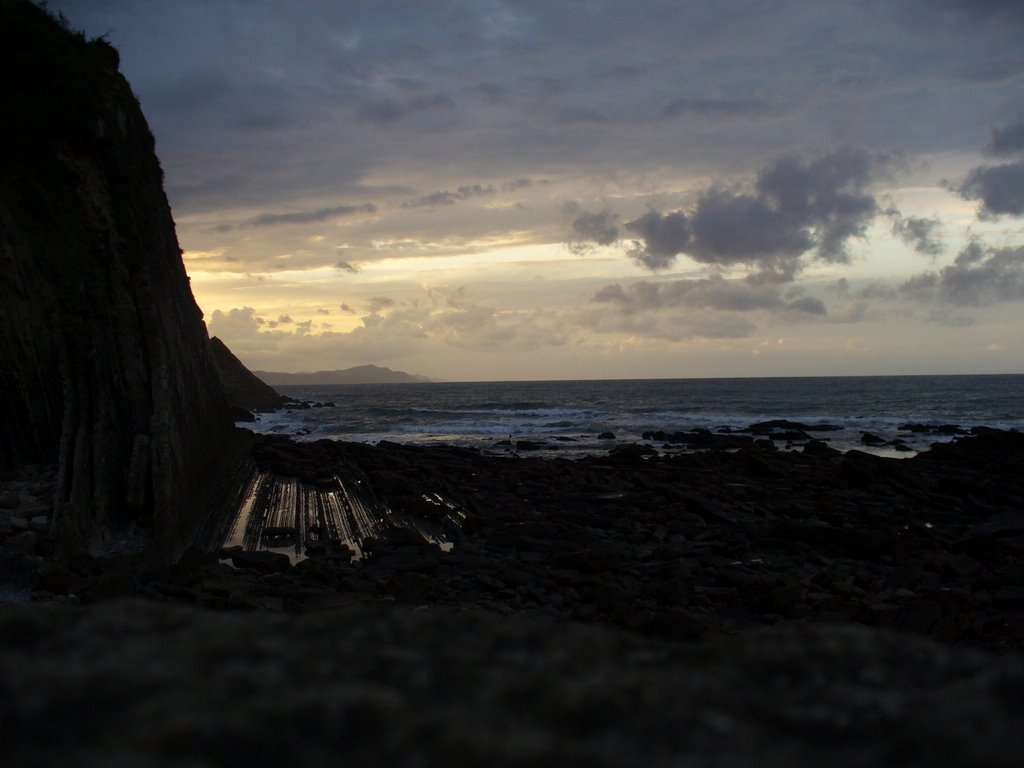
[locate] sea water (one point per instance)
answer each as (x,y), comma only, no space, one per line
(569,417)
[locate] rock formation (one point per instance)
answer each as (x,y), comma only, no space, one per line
(107,370)
(242,387)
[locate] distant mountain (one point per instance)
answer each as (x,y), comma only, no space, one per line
(360,374)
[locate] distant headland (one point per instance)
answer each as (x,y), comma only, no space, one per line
(360,374)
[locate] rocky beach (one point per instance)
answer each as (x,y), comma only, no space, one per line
(634,609)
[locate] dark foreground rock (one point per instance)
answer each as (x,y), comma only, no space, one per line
(134,683)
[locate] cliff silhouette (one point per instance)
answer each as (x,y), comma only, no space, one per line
(107,370)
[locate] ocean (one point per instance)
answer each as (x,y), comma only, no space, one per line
(568,418)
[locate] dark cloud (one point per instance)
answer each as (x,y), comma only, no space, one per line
(715,108)
(999,188)
(435,199)
(979,276)
(798,208)
(305,217)
(389,111)
(284,319)
(706,293)
(322,311)
(1008,139)
(661,238)
(590,229)
(825,195)
(346,309)
(919,233)
(347,266)
(808,305)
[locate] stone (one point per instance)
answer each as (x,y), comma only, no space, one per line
(24,543)
(9,501)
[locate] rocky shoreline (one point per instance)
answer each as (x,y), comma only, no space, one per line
(672,556)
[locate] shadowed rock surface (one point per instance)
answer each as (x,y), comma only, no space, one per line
(242,387)
(157,686)
(106,363)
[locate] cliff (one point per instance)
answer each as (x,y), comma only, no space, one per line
(242,387)
(107,369)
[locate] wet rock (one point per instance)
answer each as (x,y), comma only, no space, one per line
(268,562)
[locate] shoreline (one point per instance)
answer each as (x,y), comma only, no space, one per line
(690,544)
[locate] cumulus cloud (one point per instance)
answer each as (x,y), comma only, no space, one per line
(234,323)
(919,233)
(999,188)
(306,217)
(589,229)
(661,238)
(347,266)
(444,197)
(798,208)
(979,276)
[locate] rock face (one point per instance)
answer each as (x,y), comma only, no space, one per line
(241,386)
(106,363)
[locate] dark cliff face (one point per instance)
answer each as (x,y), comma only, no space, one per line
(106,367)
(241,386)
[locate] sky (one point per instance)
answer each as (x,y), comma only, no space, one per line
(504,190)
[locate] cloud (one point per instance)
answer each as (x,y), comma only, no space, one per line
(979,276)
(662,238)
(435,199)
(590,229)
(1000,188)
(1008,139)
(346,309)
(521,183)
(808,305)
(389,111)
(347,266)
(797,208)
(377,303)
(919,233)
(705,293)
(305,217)
(715,108)
(235,323)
